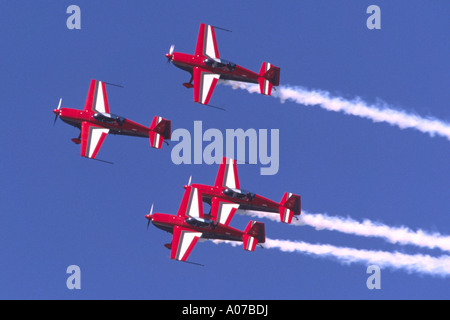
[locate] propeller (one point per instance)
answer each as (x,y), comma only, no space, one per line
(189,183)
(149,217)
(57,111)
(169,55)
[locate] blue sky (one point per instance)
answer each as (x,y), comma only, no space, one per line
(58,209)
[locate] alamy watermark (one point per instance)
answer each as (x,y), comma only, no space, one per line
(374,280)
(73,282)
(374,21)
(250,146)
(74,20)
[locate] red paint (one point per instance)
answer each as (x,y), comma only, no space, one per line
(93,118)
(200,61)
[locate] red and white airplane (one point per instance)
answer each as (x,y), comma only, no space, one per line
(191,224)
(95,122)
(206,68)
(227,192)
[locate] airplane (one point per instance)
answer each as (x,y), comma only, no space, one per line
(227,192)
(206,68)
(95,122)
(191,224)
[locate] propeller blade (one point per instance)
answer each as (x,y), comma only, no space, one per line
(57,113)
(169,55)
(190,180)
(149,215)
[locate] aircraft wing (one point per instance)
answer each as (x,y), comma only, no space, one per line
(183,241)
(222,211)
(97,100)
(206,42)
(191,205)
(92,137)
(204,84)
(228,174)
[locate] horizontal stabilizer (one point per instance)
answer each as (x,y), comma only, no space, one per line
(254,233)
(269,76)
(290,205)
(160,129)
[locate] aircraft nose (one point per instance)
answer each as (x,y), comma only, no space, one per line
(149,218)
(56,111)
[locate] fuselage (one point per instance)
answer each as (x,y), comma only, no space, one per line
(246,200)
(208,228)
(116,124)
(226,69)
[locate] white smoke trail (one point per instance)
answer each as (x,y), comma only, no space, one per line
(356,107)
(423,264)
(411,263)
(396,235)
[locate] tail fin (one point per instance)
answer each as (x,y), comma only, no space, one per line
(269,76)
(254,233)
(290,205)
(159,130)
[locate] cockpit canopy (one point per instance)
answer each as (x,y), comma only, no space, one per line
(199,223)
(239,194)
(109,118)
(220,63)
